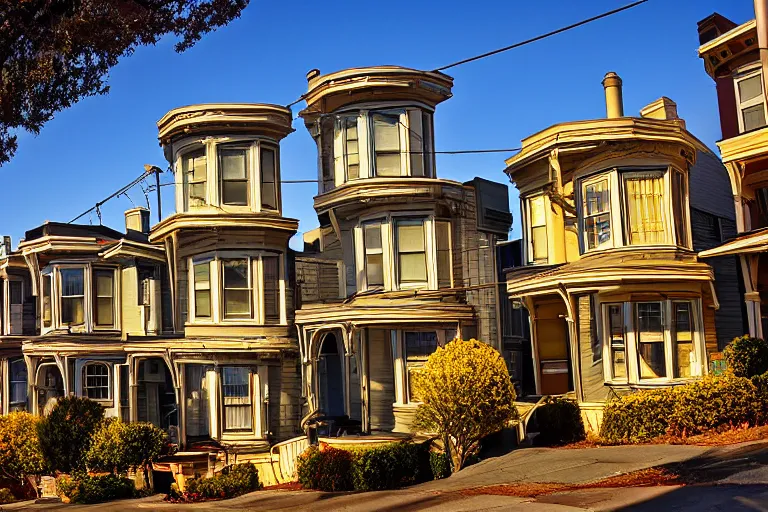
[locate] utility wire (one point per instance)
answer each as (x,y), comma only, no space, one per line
(115,194)
(537,38)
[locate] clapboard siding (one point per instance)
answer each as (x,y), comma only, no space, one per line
(317,280)
(284,406)
(591,357)
(381,380)
(710,187)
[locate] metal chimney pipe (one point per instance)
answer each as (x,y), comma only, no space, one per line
(761,20)
(614,103)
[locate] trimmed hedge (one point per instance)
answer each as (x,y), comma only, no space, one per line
(747,356)
(440,463)
(95,489)
(705,404)
(560,422)
(387,466)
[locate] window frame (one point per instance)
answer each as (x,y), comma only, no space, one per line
(95,298)
(84,383)
(246,149)
(60,295)
(368,251)
(11,383)
(584,183)
(530,249)
(252,402)
(275,149)
(249,289)
(665,209)
(396,253)
(740,76)
(186,183)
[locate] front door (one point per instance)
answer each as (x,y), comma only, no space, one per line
(552,341)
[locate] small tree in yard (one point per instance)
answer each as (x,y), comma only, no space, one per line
(65,434)
(20,455)
(466,394)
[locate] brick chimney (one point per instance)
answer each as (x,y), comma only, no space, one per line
(137,220)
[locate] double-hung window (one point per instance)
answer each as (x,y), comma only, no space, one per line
(271,276)
(650,340)
(104,297)
(374,255)
(202,287)
(537,219)
(236,390)
(419,346)
(194,169)
(680,204)
(72,296)
(443,249)
(96,381)
(347,135)
(386,144)
(18,384)
(234,171)
(617,341)
(645,207)
(411,252)
(237,289)
(682,338)
(597,213)
(268,159)
(47,314)
(750,97)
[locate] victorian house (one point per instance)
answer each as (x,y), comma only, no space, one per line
(735,57)
(613,212)
(416,253)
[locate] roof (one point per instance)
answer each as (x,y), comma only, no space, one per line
(749,242)
(72,230)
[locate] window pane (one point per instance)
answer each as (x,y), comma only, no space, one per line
(419,345)
(616,338)
(750,88)
(236,274)
(195,174)
(235,192)
(197,399)
(410,237)
(645,202)
(412,258)
(374,270)
(268,188)
(387,165)
(372,236)
(72,310)
(443,243)
(597,197)
(683,338)
(18,374)
(232,163)
(104,282)
(237,303)
(202,275)
(415,132)
(237,398)
(680,192)
(413,267)
(651,340)
(104,313)
(72,281)
(271,268)
(386,136)
(47,320)
(539,241)
(96,381)
(598,230)
(538,211)
(203,303)
(237,292)
(754,117)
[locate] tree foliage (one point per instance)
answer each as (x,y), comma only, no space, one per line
(747,356)
(55,52)
(65,434)
(20,454)
(466,394)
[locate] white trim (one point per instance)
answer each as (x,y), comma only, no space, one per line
(745,74)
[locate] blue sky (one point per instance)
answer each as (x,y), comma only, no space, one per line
(100,144)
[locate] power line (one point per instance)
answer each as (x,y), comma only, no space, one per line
(537,38)
(96,207)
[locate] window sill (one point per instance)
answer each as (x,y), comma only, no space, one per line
(652,383)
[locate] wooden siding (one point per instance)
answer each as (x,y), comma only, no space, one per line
(591,374)
(710,187)
(284,393)
(318,280)
(381,380)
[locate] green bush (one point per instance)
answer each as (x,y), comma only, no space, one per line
(704,404)
(440,463)
(389,466)
(95,489)
(233,481)
(6,496)
(329,469)
(65,434)
(747,356)
(761,386)
(20,454)
(560,422)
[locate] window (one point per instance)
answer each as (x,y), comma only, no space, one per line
(616,339)
(538,231)
(411,252)
(72,296)
(645,207)
(271,271)
(47,313)
(597,213)
(15,292)
(202,276)
(351,145)
(197,400)
(233,168)
(682,342)
(650,340)
(236,389)
(195,170)
(416,141)
(751,101)
(96,381)
(18,383)
(443,244)
(104,297)
(268,178)
(386,144)
(418,347)
(237,289)
(374,263)
(680,198)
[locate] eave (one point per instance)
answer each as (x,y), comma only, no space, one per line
(131,249)
(201,221)
(745,147)
(732,34)
(63,244)
(749,243)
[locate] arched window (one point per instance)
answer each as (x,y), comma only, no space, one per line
(96,381)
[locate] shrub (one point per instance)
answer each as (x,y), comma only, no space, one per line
(325,470)
(95,489)
(466,394)
(440,463)
(747,356)
(233,481)
(761,386)
(704,404)
(20,454)
(389,466)
(65,434)
(559,421)
(6,496)
(117,446)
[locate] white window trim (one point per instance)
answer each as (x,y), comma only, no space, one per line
(256,281)
(402,384)
(259,390)
(614,209)
(5,320)
(83,380)
(528,227)
(745,74)
(115,300)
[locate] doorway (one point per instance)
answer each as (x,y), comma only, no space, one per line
(553,348)
(331,376)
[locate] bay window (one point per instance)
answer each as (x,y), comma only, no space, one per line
(374,255)
(234,172)
(202,288)
(236,391)
(194,169)
(411,252)
(96,381)
(645,207)
(444,264)
(386,144)
(680,205)
(271,271)
(348,154)
(617,341)
(72,296)
(268,161)
(537,230)
(597,213)
(750,98)
(237,289)
(650,340)
(104,297)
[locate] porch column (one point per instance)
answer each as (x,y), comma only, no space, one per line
(31,363)
(348,353)
(133,394)
(752,300)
